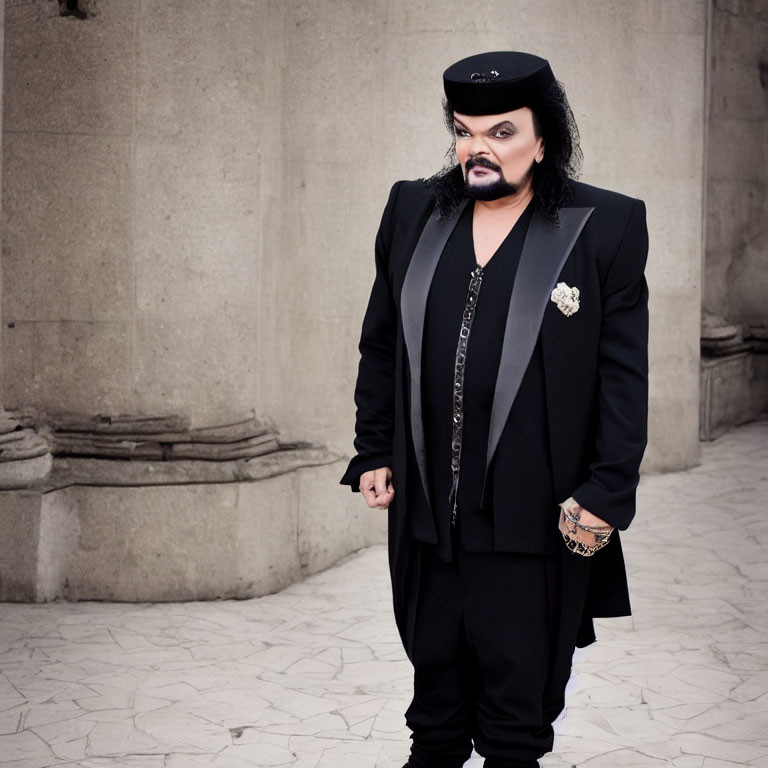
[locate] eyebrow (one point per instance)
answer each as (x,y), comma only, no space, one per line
(502,124)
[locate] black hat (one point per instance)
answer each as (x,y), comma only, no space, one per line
(500,81)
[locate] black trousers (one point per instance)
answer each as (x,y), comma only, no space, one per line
(492,649)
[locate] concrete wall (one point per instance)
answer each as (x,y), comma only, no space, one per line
(2,53)
(362,94)
(193,189)
(143,156)
(132,242)
(191,192)
(736,273)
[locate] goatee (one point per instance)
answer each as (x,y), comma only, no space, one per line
(494,190)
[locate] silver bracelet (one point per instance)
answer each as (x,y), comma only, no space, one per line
(575,520)
(601,533)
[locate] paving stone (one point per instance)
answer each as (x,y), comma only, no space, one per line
(314,676)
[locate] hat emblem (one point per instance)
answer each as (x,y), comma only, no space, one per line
(482,77)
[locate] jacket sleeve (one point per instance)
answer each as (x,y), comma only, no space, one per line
(622,397)
(375,388)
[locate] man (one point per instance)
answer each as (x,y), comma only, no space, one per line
(501,413)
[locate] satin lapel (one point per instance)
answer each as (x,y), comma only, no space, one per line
(544,253)
(413,307)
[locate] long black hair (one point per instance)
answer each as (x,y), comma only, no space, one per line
(553,122)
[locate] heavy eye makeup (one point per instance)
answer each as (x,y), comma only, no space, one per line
(500,131)
(460,132)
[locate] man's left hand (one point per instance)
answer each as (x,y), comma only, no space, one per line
(585,518)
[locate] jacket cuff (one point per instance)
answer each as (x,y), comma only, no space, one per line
(616,508)
(359,466)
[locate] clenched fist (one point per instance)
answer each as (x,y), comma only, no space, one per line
(376,487)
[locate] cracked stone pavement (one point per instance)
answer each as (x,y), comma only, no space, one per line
(314,677)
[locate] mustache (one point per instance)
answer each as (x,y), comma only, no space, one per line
(483,163)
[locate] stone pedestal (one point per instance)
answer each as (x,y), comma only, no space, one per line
(734,390)
(179,542)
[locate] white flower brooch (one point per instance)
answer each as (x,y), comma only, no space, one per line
(566,298)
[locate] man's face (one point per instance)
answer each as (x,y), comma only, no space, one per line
(497,152)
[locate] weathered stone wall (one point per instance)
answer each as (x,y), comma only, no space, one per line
(191,192)
(135,225)
(362,108)
(132,208)
(193,189)
(736,271)
(2,50)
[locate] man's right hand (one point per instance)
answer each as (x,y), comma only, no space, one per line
(376,487)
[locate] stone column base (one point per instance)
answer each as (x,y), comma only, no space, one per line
(734,390)
(194,541)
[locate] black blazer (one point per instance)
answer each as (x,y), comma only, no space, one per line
(595,372)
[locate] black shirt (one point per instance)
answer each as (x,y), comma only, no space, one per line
(445,305)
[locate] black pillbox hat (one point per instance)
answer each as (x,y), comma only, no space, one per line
(495,82)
